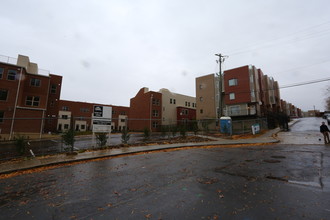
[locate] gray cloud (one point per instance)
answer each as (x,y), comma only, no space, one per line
(107,50)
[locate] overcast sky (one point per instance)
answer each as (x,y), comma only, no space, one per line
(107,50)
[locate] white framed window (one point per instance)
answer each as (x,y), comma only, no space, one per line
(53,89)
(154,124)
(32,100)
(231,96)
(155,113)
(11,74)
(232,82)
(235,110)
(35,82)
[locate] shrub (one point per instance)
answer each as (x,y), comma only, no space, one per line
(102,139)
(125,136)
(20,143)
(146,133)
(68,138)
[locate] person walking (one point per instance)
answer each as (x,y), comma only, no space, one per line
(325,131)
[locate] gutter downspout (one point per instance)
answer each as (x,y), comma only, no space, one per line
(43,112)
(15,106)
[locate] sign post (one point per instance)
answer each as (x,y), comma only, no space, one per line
(101,120)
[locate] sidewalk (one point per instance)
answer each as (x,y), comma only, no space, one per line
(13,166)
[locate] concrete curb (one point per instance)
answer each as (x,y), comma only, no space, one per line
(108,153)
(63,159)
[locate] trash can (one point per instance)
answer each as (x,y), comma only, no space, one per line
(226,125)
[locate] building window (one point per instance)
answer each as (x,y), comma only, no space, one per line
(1,72)
(65,108)
(201,99)
(32,100)
(84,109)
(232,82)
(122,120)
(2,113)
(155,113)
(11,74)
(3,94)
(35,82)
(174,101)
(235,110)
(155,102)
(82,127)
(231,96)
(171,101)
(66,126)
(52,104)
(201,111)
(64,116)
(113,112)
(53,89)
(154,124)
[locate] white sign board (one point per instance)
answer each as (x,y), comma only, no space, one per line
(102,116)
(255,129)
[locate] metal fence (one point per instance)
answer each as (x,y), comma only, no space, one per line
(245,126)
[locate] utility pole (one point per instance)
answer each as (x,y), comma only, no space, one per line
(220,61)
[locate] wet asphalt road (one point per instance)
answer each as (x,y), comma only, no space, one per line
(284,181)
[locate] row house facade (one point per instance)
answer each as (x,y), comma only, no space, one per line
(247,93)
(27,97)
(152,110)
(78,116)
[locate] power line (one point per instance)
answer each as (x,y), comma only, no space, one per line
(305,36)
(305,83)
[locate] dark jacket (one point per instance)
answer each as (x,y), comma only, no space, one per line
(324,128)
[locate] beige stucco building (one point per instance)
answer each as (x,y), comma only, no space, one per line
(170,102)
(207,99)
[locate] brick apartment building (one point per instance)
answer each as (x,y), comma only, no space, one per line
(247,93)
(150,109)
(25,96)
(78,115)
(242,92)
(145,110)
